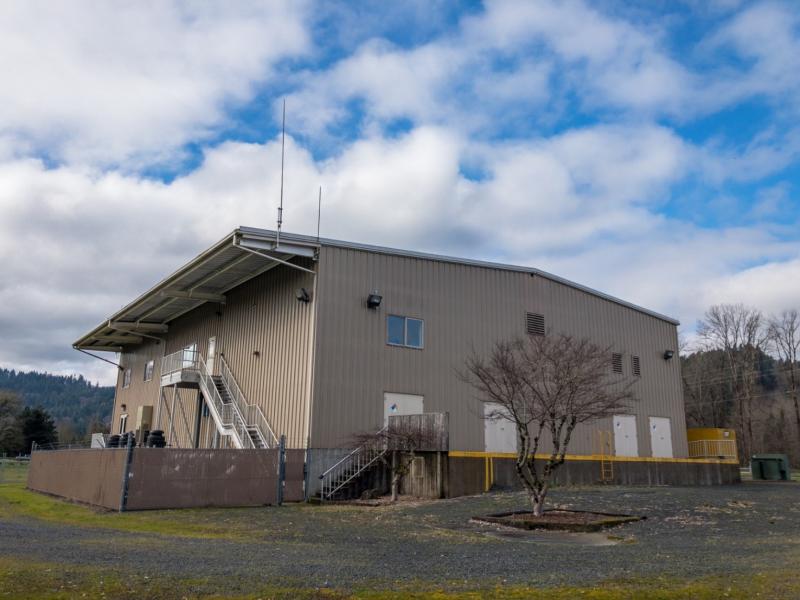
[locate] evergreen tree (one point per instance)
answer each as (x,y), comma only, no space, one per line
(10,432)
(36,426)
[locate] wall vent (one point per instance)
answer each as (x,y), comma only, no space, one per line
(616,363)
(535,324)
(636,366)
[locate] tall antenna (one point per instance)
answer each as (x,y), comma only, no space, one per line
(283,152)
(319,211)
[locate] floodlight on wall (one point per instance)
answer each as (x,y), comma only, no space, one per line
(302,295)
(374,300)
(668,354)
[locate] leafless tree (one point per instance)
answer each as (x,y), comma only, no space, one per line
(402,440)
(784,337)
(739,332)
(546,386)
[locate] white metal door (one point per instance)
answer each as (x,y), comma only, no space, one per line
(661,437)
(212,350)
(499,434)
(401,404)
(625,441)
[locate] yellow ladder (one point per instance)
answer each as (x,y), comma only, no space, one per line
(604,451)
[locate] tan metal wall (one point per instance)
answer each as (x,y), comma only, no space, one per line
(263,332)
(140,392)
(464,307)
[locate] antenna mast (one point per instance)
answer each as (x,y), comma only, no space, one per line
(319,211)
(283,152)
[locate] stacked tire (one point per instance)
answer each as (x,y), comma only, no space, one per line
(156,439)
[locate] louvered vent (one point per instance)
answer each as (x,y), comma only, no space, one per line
(535,324)
(637,370)
(616,363)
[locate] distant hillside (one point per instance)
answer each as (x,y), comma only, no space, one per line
(73,402)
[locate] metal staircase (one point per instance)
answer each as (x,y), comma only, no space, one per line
(244,423)
(348,469)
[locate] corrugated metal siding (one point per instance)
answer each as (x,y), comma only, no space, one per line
(264,316)
(140,392)
(464,307)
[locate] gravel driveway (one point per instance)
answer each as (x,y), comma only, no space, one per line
(689,532)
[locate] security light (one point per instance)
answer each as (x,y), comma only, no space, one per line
(668,354)
(374,300)
(302,295)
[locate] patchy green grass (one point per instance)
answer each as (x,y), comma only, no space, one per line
(16,501)
(44,581)
(13,471)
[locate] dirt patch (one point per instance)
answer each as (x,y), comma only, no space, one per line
(563,520)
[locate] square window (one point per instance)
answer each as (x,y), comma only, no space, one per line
(396,330)
(404,331)
(414,333)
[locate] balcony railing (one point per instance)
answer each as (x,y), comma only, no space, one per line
(186,359)
(712,449)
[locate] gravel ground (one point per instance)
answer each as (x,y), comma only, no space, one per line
(688,532)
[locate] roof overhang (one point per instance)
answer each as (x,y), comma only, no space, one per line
(237,258)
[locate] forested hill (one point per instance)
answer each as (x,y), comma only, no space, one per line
(71,401)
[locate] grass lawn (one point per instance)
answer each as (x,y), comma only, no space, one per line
(314,538)
(52,581)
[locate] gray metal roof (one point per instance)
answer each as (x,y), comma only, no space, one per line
(241,255)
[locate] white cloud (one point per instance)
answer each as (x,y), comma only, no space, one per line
(121,81)
(78,243)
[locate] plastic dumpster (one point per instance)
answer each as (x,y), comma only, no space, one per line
(772,467)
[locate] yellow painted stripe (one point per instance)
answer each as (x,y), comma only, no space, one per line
(596,457)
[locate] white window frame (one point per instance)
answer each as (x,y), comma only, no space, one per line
(151,365)
(123,422)
(126,379)
(405,343)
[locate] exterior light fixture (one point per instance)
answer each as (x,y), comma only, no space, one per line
(374,300)
(668,354)
(302,295)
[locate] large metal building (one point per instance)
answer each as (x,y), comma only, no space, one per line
(268,334)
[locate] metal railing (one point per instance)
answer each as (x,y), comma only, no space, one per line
(228,414)
(350,467)
(187,358)
(251,412)
(712,449)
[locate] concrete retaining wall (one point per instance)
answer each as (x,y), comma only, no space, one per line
(473,475)
(167,477)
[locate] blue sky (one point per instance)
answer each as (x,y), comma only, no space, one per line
(649,149)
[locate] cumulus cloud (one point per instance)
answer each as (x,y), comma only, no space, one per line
(540,133)
(95,240)
(112,82)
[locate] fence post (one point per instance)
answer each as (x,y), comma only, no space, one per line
(126,473)
(281,470)
(306,470)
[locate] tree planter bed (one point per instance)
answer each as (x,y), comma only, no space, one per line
(564,520)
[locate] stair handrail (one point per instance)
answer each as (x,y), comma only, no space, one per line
(255,416)
(229,414)
(350,466)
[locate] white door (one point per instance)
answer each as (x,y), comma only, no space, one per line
(499,434)
(625,442)
(212,350)
(661,437)
(400,404)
